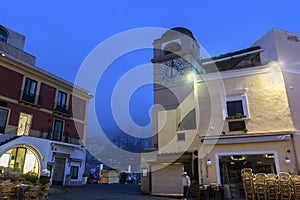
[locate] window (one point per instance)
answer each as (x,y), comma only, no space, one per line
(189,122)
(57,130)
(3,36)
(235,104)
(74,172)
(172,47)
(61,104)
(29,90)
(235,109)
(180,136)
(3,119)
(237,126)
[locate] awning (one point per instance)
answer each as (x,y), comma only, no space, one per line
(247,139)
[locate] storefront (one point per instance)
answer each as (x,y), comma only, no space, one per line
(19,159)
(227,157)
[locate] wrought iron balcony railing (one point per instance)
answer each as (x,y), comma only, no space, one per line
(62,109)
(31,99)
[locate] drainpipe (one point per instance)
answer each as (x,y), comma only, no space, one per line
(296,156)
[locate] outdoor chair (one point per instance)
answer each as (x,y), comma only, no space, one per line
(260,186)
(272,186)
(43,194)
(248,184)
(295,183)
(284,184)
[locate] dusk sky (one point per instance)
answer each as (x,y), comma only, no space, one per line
(62,33)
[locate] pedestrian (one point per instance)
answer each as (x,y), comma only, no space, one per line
(186,182)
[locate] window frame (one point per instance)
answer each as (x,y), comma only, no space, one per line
(28,87)
(60,95)
(72,171)
(6,119)
(236,97)
(54,136)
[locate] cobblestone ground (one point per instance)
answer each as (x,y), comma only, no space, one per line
(103,192)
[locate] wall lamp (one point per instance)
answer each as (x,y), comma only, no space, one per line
(287,161)
(208,162)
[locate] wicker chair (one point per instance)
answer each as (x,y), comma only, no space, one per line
(260,186)
(284,185)
(43,194)
(7,191)
(295,183)
(32,192)
(272,186)
(248,184)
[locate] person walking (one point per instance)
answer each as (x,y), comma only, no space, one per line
(186,182)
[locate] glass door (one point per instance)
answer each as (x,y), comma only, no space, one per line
(24,124)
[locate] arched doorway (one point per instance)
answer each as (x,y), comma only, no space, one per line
(20,160)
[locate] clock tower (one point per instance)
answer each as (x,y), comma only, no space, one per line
(176,56)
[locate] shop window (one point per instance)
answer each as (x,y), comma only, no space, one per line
(3,119)
(74,172)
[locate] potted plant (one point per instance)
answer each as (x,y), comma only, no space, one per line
(45,176)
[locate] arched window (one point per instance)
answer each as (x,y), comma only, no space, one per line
(172,47)
(3,35)
(19,160)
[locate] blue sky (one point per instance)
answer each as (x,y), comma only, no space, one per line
(62,33)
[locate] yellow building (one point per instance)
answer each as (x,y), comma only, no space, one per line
(216,116)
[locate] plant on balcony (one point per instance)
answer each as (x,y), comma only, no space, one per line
(236,116)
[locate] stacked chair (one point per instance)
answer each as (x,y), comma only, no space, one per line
(284,185)
(260,186)
(248,183)
(272,186)
(295,183)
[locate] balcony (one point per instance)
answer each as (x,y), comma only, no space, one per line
(29,99)
(236,117)
(46,133)
(62,110)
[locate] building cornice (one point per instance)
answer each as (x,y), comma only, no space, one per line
(235,73)
(42,74)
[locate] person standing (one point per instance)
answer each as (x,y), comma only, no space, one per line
(186,182)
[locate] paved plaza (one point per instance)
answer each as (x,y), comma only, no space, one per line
(103,192)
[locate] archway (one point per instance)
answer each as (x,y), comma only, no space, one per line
(20,160)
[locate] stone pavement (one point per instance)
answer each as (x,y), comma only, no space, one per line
(102,192)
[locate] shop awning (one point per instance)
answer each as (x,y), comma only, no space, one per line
(247,139)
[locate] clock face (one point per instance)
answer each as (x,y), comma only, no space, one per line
(171,71)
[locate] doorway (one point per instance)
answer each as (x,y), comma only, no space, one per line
(231,166)
(24,124)
(59,171)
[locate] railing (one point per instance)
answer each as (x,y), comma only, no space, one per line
(45,133)
(31,99)
(62,109)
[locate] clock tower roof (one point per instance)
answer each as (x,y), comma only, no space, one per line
(177,31)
